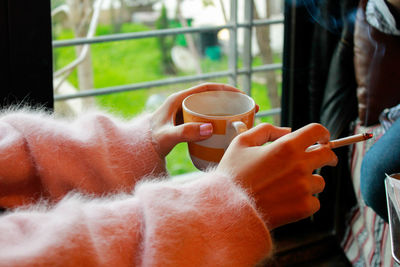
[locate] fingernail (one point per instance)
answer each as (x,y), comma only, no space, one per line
(206,129)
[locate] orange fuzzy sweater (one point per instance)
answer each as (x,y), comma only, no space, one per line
(94,192)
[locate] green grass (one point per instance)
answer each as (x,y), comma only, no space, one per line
(119,63)
(134,61)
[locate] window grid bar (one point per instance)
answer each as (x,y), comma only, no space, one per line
(233,47)
(144,85)
(266,67)
(247,47)
(169,81)
(156,33)
(267,113)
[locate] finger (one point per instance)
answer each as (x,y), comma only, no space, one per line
(305,208)
(321,156)
(310,206)
(296,187)
(311,134)
(290,211)
(191,132)
(317,184)
(262,134)
(215,87)
(180,96)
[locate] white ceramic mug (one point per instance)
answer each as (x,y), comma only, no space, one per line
(230,113)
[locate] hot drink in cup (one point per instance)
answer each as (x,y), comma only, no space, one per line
(230,113)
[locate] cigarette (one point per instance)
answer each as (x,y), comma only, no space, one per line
(345,141)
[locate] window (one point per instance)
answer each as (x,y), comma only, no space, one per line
(127,56)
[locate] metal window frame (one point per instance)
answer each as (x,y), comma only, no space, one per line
(233,71)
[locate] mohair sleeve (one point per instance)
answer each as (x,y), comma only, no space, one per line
(41,157)
(209,221)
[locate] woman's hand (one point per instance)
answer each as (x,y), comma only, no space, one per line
(167,121)
(279,175)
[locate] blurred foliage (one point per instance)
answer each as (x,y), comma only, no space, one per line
(56,3)
(165,43)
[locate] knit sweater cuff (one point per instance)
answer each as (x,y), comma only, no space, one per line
(220,223)
(150,162)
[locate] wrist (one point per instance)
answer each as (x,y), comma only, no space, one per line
(155,137)
(143,123)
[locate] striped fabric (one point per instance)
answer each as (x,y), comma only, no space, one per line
(367,240)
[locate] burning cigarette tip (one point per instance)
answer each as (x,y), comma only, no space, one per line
(368,135)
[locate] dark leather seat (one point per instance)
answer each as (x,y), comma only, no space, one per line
(377,69)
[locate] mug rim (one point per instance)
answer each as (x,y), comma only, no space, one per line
(253,105)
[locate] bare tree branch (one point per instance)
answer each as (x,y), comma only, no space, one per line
(85,48)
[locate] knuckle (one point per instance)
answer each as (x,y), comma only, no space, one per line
(304,186)
(171,99)
(317,126)
(173,96)
(302,168)
(205,86)
(186,132)
(241,139)
(244,139)
(267,127)
(324,131)
(289,147)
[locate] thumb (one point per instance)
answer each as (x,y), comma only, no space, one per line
(191,132)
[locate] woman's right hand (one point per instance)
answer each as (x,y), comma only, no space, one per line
(279,175)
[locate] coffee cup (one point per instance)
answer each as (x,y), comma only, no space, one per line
(230,114)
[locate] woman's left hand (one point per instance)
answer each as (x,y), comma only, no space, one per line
(167,121)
